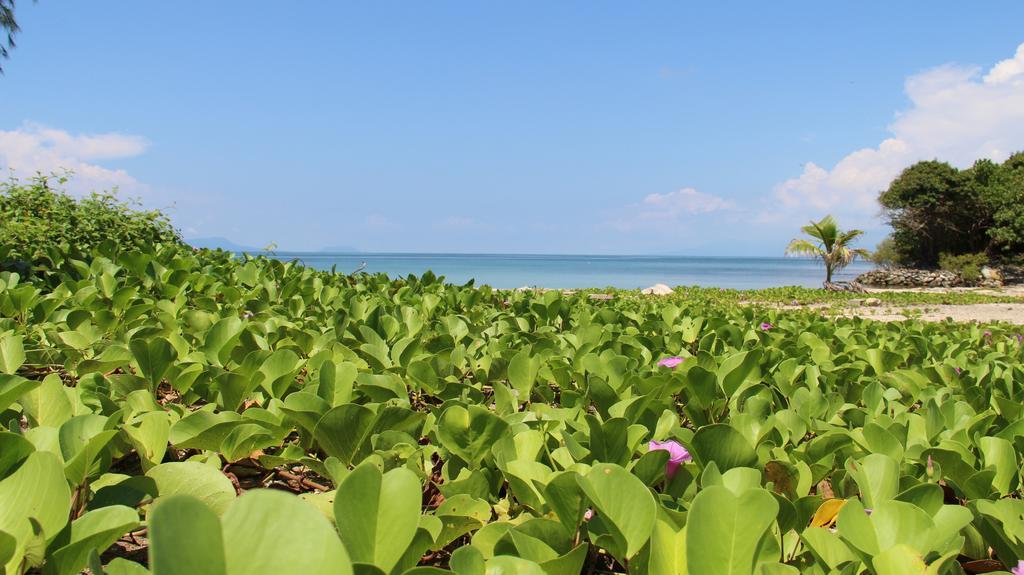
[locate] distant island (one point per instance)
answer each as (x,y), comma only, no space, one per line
(219,242)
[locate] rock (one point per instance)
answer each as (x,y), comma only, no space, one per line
(991,274)
(657,289)
(872,302)
(907,277)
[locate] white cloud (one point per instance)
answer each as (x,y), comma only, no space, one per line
(33,148)
(957,114)
(670,209)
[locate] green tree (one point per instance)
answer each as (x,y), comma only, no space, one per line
(1006,197)
(829,244)
(934,208)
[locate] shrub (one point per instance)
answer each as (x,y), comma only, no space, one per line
(967,265)
(37,216)
(886,255)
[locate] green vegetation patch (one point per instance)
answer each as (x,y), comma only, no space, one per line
(182,412)
(171,410)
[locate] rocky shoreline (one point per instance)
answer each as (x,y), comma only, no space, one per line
(992,277)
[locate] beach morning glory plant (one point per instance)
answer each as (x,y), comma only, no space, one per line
(677,455)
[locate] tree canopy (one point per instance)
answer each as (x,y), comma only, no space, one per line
(935,208)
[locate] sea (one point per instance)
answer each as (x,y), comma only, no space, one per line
(510,271)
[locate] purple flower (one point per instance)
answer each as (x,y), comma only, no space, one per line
(1019,569)
(987,335)
(1020,339)
(765,326)
(957,370)
(677,454)
(670,362)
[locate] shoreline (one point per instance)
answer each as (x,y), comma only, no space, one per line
(983,305)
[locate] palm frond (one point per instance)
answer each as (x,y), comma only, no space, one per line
(800,247)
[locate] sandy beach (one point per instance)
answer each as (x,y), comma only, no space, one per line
(974,312)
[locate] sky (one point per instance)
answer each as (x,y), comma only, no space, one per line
(586,127)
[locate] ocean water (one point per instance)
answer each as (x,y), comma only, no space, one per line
(579,271)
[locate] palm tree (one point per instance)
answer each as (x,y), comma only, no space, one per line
(828,243)
(8,27)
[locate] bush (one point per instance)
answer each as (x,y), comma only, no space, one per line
(37,216)
(967,265)
(886,255)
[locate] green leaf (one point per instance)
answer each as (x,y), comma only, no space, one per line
(470,433)
(221,337)
(522,373)
(14,448)
(877,475)
(149,434)
(185,537)
(83,441)
(725,529)
(508,565)
(201,481)
(12,387)
(343,429)
(268,532)
(378,514)
(37,490)
(12,353)
(153,357)
(899,560)
(622,500)
(722,444)
(47,405)
(92,532)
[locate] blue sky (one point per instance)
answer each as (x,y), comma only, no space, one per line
(529,127)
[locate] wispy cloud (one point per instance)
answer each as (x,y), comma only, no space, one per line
(660,211)
(34,148)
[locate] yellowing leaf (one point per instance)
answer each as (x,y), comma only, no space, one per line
(827,512)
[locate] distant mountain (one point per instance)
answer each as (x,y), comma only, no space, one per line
(222,243)
(340,249)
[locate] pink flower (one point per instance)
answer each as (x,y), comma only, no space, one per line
(588,514)
(765,326)
(670,362)
(1019,569)
(677,455)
